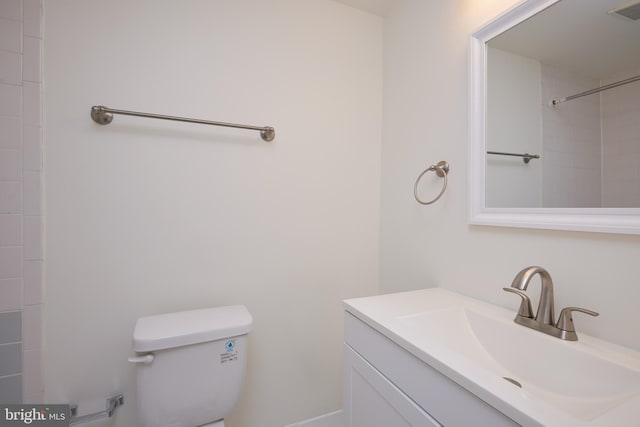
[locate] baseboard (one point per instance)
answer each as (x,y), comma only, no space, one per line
(332,419)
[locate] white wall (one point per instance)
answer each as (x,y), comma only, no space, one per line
(514,125)
(425,120)
(146,217)
(149,216)
(620,136)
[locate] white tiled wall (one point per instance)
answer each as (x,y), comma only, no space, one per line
(571,136)
(581,137)
(21,220)
(621,147)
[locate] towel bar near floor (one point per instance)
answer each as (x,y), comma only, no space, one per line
(112,404)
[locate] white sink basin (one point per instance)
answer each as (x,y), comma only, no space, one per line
(575,379)
(589,382)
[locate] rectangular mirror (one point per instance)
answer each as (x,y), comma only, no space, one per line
(555,117)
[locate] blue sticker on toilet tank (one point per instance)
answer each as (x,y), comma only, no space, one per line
(231,355)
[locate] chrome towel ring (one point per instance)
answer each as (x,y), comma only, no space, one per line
(441,169)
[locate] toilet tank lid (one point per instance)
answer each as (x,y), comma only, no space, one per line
(190,327)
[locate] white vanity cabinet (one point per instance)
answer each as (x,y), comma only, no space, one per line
(386,386)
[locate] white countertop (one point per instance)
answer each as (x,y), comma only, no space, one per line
(391,315)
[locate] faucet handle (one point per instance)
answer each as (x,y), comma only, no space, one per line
(565,321)
(525,309)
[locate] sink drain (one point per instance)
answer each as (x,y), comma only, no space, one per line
(512,381)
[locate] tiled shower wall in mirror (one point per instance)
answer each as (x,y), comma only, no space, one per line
(21,214)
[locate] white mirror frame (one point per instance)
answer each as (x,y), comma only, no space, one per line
(605,220)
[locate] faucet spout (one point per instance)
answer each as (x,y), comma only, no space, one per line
(545,313)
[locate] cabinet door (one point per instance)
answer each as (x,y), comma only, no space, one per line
(445,400)
(371,400)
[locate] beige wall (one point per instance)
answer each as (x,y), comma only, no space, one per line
(424,121)
(149,216)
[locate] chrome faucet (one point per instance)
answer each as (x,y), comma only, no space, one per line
(545,313)
(544,319)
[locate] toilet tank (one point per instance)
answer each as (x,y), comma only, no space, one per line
(190,365)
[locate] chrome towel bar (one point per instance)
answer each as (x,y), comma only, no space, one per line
(112,404)
(104,115)
(526,157)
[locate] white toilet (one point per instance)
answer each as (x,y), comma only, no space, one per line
(190,366)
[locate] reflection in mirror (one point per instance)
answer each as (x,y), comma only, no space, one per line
(588,144)
(587,177)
